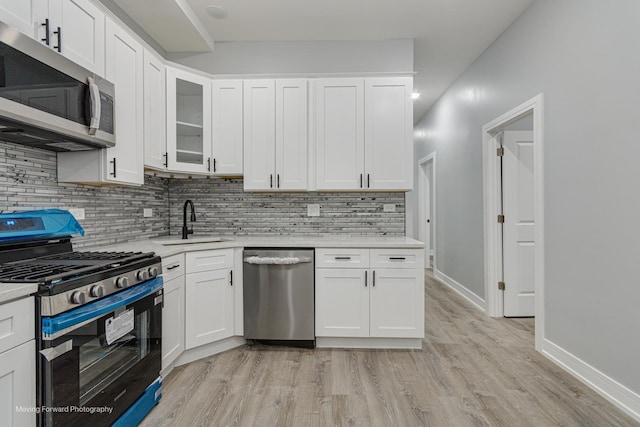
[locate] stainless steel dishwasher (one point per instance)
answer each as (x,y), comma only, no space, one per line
(279,296)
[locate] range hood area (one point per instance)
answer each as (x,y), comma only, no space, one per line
(33,136)
(48,101)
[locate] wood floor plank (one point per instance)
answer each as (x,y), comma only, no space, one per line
(472,370)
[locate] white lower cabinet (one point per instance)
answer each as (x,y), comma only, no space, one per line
(209,298)
(174,310)
(365,301)
(17,363)
(18,385)
(342,303)
(396,303)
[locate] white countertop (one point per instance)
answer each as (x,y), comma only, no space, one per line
(200,243)
(11,291)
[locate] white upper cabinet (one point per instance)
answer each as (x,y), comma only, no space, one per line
(226,122)
(155,136)
(188,122)
(125,69)
(364,134)
(275,135)
(122,164)
(75,28)
(259,134)
(19,14)
(291,134)
(388,133)
(339,133)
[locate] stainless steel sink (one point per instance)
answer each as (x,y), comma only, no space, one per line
(178,241)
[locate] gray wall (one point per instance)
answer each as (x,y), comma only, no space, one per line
(302,57)
(223,208)
(583,55)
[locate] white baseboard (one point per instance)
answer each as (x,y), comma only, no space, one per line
(624,398)
(474,299)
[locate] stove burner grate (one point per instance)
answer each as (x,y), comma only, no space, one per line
(53,269)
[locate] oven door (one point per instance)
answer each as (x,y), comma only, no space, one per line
(97,360)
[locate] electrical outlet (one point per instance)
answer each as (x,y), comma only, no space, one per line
(313,210)
(389,207)
(78,213)
(147,213)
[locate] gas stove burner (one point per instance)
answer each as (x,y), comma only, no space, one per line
(58,268)
(96,256)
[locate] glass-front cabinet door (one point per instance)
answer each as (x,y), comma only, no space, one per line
(188,122)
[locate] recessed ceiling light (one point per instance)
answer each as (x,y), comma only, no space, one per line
(415,95)
(217,12)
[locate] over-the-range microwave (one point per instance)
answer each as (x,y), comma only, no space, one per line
(50,102)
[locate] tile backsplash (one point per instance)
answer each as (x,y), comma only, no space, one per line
(223,208)
(28,180)
(115,214)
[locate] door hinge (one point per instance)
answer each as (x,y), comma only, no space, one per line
(501,286)
(500,219)
(500,152)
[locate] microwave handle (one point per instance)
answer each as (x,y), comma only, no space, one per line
(94,100)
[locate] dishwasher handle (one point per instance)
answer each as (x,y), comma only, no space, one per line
(276,260)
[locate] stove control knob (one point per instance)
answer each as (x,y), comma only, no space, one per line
(122,282)
(96,291)
(153,272)
(141,275)
(78,297)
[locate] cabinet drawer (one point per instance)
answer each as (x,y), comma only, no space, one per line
(17,323)
(397,258)
(172,267)
(209,260)
(342,258)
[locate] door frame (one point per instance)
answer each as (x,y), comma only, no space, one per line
(491,134)
(422,205)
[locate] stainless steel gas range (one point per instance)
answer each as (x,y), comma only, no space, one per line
(98,322)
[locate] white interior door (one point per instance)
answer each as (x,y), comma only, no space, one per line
(519,224)
(426,214)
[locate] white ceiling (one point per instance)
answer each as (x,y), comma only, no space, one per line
(448,34)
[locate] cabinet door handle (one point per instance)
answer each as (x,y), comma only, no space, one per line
(209,164)
(59,33)
(271,181)
(214,164)
(365,278)
(278,180)
(374,278)
(397,258)
(114,167)
(342,258)
(368,181)
(173,267)
(360,180)
(231,277)
(166,159)
(46,38)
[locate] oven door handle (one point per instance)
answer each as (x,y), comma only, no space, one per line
(86,313)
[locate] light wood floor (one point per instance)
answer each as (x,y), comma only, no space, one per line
(472,371)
